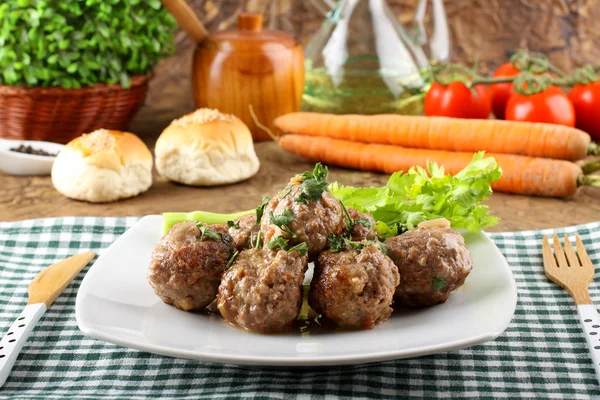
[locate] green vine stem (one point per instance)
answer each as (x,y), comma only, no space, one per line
(589,180)
(536,74)
(590,167)
(594,149)
(585,75)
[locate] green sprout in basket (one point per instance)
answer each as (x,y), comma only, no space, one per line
(72,44)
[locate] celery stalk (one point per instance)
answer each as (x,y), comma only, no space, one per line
(209,218)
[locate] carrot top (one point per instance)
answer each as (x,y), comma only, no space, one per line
(425,194)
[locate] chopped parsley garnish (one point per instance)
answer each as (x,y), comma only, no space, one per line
(349,221)
(255,244)
(205,231)
(282,221)
(339,243)
(313,184)
(363,222)
(231,260)
(335,243)
(278,242)
(233,224)
(260,210)
(301,247)
(285,191)
(438,283)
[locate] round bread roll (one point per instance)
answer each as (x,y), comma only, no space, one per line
(103,166)
(206,148)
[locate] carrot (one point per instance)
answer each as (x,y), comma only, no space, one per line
(521,174)
(452,134)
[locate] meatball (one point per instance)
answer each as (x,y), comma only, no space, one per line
(312,222)
(364,229)
(186,268)
(247,231)
(262,291)
(354,289)
(432,261)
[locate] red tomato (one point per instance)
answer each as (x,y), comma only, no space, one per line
(551,106)
(456,100)
(501,91)
(586,100)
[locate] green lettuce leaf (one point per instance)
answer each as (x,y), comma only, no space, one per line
(428,193)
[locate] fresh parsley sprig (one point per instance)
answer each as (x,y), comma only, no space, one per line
(313,184)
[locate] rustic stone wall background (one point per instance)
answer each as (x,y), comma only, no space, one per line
(484,30)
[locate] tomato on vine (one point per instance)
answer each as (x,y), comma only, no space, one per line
(501,92)
(458,101)
(550,106)
(586,100)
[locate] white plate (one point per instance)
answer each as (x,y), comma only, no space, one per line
(116,304)
(16,163)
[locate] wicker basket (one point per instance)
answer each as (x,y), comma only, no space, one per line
(59,115)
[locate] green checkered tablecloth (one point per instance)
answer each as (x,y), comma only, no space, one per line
(542,354)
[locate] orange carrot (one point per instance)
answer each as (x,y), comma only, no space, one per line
(452,134)
(521,174)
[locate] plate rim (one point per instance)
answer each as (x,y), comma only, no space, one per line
(299,361)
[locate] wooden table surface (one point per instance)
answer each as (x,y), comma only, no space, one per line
(34,197)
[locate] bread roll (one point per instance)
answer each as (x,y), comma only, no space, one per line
(103,166)
(206,148)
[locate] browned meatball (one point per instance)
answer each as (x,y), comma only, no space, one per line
(247,231)
(185,270)
(262,291)
(312,222)
(364,225)
(432,262)
(354,289)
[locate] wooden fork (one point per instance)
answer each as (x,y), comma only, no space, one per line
(574,271)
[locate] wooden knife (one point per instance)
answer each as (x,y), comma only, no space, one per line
(43,290)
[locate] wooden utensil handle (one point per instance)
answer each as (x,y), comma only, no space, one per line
(11,344)
(590,321)
(187,19)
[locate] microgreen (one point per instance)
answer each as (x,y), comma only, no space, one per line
(313,184)
(260,210)
(73,44)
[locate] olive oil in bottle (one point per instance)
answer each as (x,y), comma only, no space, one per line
(362,61)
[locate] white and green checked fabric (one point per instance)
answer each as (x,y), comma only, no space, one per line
(542,354)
